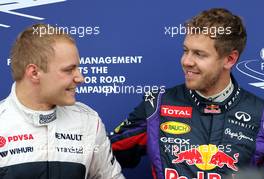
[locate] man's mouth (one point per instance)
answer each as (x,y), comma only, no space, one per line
(191,74)
(71,89)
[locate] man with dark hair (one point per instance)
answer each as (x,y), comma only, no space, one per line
(206,127)
(44,132)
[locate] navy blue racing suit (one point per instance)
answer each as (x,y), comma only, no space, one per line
(188,136)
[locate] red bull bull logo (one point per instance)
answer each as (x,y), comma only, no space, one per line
(206,157)
(220,159)
(192,156)
(212,109)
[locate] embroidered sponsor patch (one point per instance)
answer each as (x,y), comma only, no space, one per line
(212,109)
(176,111)
(43,119)
(173,127)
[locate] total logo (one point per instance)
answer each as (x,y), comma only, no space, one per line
(176,111)
(15,138)
(207,157)
(253,69)
(173,127)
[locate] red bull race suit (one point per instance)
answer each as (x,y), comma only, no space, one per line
(187,136)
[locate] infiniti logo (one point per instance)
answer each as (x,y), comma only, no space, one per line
(243,115)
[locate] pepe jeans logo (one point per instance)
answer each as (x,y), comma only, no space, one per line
(237,135)
(9,6)
(254,70)
(240,115)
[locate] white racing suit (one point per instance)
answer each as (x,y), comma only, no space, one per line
(67,142)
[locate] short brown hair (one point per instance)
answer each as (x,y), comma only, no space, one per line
(222,18)
(33,46)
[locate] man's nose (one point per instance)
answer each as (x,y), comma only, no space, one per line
(187,60)
(79,77)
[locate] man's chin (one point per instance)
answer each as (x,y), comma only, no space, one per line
(68,102)
(191,86)
(71,103)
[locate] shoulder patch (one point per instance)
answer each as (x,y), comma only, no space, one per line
(149,97)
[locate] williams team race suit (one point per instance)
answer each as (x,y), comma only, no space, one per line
(187,136)
(64,143)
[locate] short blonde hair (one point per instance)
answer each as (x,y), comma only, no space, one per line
(35,46)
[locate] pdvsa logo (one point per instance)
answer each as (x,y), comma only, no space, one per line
(2,141)
(15,138)
(253,69)
(9,6)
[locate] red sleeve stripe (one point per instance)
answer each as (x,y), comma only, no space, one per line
(128,143)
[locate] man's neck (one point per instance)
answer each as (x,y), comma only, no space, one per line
(29,97)
(222,95)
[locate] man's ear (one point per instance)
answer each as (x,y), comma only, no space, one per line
(231,59)
(32,73)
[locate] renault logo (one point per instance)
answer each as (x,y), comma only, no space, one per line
(243,115)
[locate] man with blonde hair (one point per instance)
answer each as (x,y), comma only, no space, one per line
(44,132)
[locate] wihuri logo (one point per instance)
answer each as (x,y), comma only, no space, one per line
(9,6)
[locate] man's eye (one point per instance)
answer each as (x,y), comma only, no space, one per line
(199,54)
(68,70)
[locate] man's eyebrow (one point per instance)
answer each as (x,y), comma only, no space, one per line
(195,50)
(70,66)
